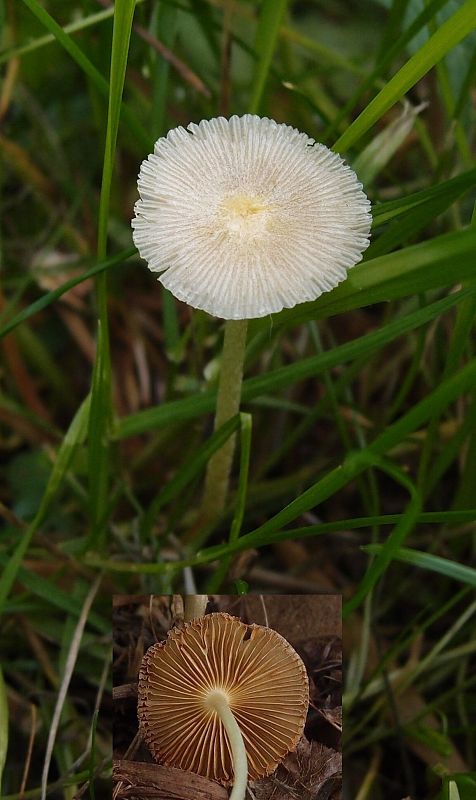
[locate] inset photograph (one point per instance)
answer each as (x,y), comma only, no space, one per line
(219,697)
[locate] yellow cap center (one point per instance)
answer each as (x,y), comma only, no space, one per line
(243,206)
(243,214)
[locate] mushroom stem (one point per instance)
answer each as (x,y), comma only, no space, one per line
(219,702)
(228,404)
(194,606)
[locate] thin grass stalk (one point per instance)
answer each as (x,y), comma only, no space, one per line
(257,539)
(73,438)
(101,397)
(448,35)
(3,725)
(67,675)
(461,335)
(355,463)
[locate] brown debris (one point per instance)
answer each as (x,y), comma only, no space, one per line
(125,691)
(137,780)
(185,72)
(298,617)
(312,772)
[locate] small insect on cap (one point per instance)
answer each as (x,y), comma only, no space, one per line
(262,677)
(244,216)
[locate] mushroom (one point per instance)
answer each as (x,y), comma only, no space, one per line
(223,699)
(243,217)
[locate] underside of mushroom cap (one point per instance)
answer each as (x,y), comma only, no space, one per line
(262,676)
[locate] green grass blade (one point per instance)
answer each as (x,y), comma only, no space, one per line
(87,67)
(246,422)
(33,794)
(271,14)
(4,719)
(170,324)
(400,231)
(159,416)
(407,225)
(386,57)
(100,420)
(424,518)
(68,44)
(358,461)
(41,41)
(67,674)
(322,53)
(434,264)
(352,466)
(459,25)
(428,561)
(245,452)
(50,297)
(258,539)
(191,407)
(454,187)
(164,25)
(123,16)
(465,86)
(443,566)
(101,410)
(74,437)
(49,591)
(92,756)
(450,454)
(394,541)
(189,471)
(465,493)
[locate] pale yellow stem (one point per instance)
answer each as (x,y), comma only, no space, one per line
(219,702)
(228,404)
(194,606)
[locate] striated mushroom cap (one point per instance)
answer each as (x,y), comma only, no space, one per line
(262,676)
(243,217)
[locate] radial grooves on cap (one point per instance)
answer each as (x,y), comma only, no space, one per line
(244,217)
(265,681)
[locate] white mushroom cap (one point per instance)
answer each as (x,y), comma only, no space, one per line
(263,678)
(244,217)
